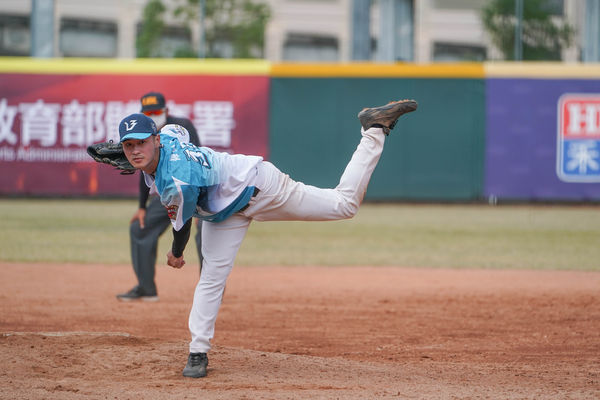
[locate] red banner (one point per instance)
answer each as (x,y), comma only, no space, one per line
(47,121)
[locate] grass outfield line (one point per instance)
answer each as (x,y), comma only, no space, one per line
(453,236)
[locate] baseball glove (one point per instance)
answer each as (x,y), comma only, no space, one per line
(112,154)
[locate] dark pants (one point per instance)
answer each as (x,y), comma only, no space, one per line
(144,244)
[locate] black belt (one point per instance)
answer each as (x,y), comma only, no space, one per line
(256,191)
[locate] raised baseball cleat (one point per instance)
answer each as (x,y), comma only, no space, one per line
(196,365)
(137,294)
(386,116)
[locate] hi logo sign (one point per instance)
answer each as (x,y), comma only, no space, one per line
(578,144)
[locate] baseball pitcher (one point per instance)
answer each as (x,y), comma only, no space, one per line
(229,191)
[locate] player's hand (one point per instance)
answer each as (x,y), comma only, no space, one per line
(139,215)
(175,262)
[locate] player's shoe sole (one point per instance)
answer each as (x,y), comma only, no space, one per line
(386,115)
(139,298)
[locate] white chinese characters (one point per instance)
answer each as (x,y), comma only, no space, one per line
(583,157)
(578,134)
(78,124)
(7,117)
(39,123)
(214,121)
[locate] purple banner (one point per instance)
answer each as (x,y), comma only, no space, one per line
(523,141)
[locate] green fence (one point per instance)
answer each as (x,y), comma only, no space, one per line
(435,153)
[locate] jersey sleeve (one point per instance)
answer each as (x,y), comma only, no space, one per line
(144,192)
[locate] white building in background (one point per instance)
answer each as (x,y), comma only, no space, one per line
(299,30)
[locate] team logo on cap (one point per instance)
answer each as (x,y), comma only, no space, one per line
(133,123)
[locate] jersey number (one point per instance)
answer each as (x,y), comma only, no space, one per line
(197,156)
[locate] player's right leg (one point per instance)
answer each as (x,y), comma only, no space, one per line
(220,244)
(198,240)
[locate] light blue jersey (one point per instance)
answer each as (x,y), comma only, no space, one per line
(200,182)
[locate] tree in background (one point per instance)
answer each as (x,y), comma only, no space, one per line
(151,29)
(232,28)
(544,33)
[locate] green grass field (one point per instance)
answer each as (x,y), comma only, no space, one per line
(453,236)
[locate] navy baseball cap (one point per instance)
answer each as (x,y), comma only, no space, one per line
(136,126)
(153,101)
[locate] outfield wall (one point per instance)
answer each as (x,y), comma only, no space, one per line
(435,153)
(52,109)
(482,131)
(542,132)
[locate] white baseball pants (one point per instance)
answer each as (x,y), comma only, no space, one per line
(280,199)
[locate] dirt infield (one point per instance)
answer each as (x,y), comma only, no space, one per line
(303,332)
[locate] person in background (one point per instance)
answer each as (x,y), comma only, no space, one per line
(151,219)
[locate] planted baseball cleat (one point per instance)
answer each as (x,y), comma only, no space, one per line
(386,116)
(196,365)
(137,294)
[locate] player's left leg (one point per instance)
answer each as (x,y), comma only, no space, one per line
(282,198)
